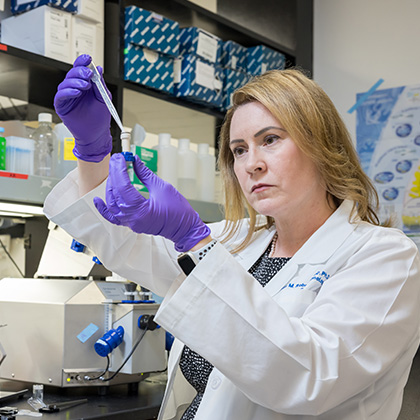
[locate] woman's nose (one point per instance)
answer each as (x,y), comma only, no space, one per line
(254,162)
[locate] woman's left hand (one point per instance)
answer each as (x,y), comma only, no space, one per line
(166,212)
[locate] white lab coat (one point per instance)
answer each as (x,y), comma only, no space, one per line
(331,337)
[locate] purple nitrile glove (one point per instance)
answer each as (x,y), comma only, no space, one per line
(166,212)
(81,108)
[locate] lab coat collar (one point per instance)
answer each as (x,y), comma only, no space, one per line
(317,249)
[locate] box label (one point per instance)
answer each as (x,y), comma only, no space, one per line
(207,47)
(204,75)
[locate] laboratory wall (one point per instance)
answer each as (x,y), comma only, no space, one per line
(358,42)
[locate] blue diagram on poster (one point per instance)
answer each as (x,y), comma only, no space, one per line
(388,144)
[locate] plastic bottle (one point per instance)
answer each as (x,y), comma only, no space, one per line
(63,153)
(187,169)
(45,140)
(167,159)
(206,173)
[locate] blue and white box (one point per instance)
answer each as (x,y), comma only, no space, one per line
(152,31)
(234,56)
(149,68)
(198,80)
(19,6)
(200,43)
(232,80)
(261,59)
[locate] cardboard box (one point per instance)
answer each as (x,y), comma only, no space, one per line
(201,43)
(261,59)
(44,31)
(232,80)
(149,157)
(149,68)
(234,56)
(20,6)
(198,81)
(87,38)
(150,30)
(92,10)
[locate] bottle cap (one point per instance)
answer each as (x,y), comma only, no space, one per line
(184,144)
(44,117)
(203,149)
(164,139)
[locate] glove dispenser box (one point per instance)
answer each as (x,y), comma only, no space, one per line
(232,80)
(149,68)
(198,81)
(152,31)
(18,6)
(261,59)
(234,56)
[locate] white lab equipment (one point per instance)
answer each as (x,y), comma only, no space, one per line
(167,159)
(187,169)
(45,140)
(206,173)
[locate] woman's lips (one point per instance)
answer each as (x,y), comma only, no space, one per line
(259,187)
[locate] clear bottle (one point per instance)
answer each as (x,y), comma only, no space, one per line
(206,173)
(187,169)
(167,159)
(45,140)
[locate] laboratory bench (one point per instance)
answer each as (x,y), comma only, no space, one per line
(141,401)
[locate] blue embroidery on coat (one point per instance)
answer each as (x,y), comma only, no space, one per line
(319,276)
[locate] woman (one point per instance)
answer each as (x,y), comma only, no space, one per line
(306,309)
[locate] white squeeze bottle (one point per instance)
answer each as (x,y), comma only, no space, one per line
(66,161)
(187,169)
(167,159)
(206,173)
(45,140)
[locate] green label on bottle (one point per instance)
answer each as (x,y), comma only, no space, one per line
(2,154)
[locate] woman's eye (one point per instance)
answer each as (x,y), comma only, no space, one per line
(270,140)
(238,151)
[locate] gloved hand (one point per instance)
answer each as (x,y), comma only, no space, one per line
(166,213)
(81,108)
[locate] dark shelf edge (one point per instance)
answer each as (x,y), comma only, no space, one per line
(228,23)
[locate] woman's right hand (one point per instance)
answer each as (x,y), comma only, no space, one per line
(81,108)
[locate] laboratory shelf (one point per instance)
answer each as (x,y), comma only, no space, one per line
(25,189)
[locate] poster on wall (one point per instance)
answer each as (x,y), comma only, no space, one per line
(388,144)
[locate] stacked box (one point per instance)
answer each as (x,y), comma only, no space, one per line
(198,81)
(201,43)
(149,157)
(261,59)
(20,6)
(232,80)
(152,42)
(45,31)
(234,56)
(149,68)
(150,30)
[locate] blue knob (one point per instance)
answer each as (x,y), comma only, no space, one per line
(128,156)
(77,246)
(109,341)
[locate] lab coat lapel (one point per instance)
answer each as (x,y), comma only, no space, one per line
(318,249)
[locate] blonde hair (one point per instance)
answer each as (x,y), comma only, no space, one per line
(312,121)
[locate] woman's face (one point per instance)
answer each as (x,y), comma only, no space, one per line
(277,178)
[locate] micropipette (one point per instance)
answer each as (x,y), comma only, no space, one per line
(125,137)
